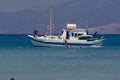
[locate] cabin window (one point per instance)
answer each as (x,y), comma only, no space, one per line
(72,34)
(76,35)
(84,38)
(80,34)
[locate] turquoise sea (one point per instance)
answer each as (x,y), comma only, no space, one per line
(19,59)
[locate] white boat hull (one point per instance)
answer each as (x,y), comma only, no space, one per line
(41,41)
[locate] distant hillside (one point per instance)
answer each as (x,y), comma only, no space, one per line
(84,13)
(106,29)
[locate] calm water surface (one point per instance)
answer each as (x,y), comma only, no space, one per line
(19,59)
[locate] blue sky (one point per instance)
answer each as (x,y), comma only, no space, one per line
(18,5)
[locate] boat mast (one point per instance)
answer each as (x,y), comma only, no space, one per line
(51,17)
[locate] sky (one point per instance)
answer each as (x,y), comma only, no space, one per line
(18,5)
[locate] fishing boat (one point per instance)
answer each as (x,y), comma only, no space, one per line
(69,37)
